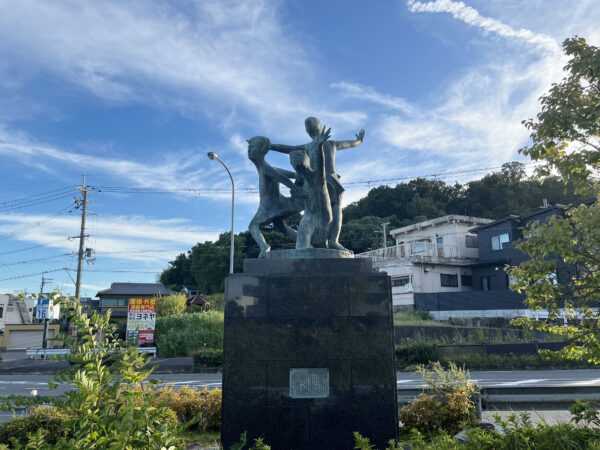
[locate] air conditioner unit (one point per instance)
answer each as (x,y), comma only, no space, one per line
(408,287)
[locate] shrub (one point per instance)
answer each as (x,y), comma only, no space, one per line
(447,406)
(458,410)
(423,413)
(208,357)
(171,304)
(50,419)
(442,381)
(185,334)
(421,352)
(217,301)
(203,407)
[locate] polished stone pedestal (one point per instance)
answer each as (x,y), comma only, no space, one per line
(309,354)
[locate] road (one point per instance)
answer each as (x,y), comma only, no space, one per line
(24,384)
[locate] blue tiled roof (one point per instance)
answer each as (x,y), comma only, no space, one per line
(149,289)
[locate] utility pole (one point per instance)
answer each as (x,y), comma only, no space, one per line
(44,342)
(81,254)
(384,234)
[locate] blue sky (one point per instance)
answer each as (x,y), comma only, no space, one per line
(134,94)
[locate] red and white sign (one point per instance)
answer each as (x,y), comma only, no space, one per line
(141,319)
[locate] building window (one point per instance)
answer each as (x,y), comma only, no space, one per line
(417,247)
(402,281)
(471,241)
(1,311)
(466,280)
(114,302)
(449,280)
(499,240)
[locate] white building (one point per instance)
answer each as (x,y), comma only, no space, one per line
(17,328)
(15,310)
(429,256)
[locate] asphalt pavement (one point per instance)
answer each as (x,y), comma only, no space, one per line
(20,384)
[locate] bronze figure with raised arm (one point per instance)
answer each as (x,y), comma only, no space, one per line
(273,206)
(314,228)
(334,185)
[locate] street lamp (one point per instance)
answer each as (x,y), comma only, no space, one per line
(214,156)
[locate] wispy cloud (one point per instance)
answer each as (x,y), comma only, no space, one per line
(367,93)
(471,16)
(232,60)
(133,238)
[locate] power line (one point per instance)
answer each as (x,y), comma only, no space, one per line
(45,258)
(43,194)
(31,275)
(34,246)
(36,224)
(143,190)
(146,190)
(36,199)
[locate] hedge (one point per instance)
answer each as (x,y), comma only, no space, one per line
(186,334)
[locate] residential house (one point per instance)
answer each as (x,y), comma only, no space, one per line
(116,298)
(17,328)
(490,295)
(431,256)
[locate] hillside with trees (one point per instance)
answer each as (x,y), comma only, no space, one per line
(499,194)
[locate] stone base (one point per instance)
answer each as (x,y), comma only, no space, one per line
(309,354)
(310,253)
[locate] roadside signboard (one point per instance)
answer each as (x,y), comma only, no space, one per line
(46,309)
(141,318)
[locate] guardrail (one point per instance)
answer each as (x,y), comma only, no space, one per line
(517,398)
(41,353)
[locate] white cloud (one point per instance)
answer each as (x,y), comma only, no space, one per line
(471,16)
(228,59)
(474,121)
(133,238)
(367,93)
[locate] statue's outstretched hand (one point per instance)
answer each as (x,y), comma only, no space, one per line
(323,135)
(360,135)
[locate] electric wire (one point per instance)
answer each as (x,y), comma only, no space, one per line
(34,246)
(36,224)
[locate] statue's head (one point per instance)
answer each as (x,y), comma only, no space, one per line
(313,126)
(258,146)
(298,158)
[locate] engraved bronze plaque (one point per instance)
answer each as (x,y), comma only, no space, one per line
(309,383)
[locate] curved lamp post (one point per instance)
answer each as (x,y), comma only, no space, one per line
(214,156)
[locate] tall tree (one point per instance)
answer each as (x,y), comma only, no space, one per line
(566,139)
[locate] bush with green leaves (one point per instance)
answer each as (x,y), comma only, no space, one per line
(185,334)
(201,409)
(208,357)
(170,305)
(416,352)
(447,405)
(52,420)
(108,407)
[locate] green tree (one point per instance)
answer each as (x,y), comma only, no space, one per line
(171,304)
(566,139)
(179,272)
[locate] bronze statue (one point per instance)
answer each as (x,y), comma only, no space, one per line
(317,189)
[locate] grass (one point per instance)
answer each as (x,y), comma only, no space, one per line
(206,438)
(415,319)
(506,362)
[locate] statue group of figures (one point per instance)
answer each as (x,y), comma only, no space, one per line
(315,188)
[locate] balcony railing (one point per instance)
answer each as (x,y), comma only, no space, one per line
(420,252)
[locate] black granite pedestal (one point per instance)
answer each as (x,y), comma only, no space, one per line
(309,354)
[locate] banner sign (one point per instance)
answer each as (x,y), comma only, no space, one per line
(141,319)
(46,309)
